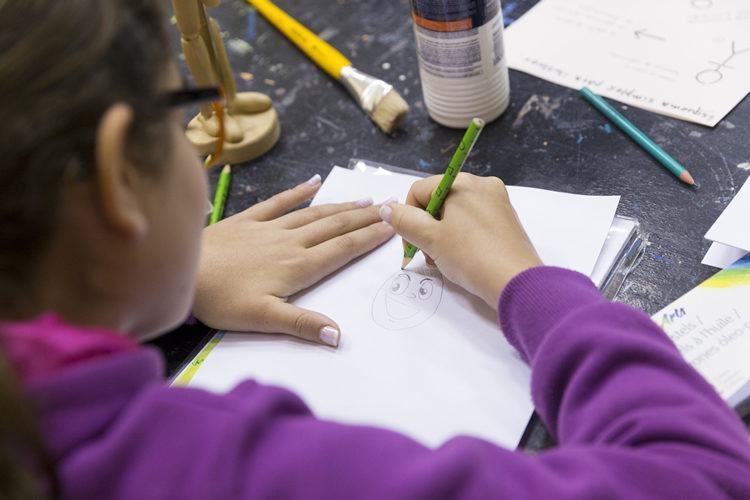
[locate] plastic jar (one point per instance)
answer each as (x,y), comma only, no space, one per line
(462,61)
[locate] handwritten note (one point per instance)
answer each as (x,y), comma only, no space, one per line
(689,59)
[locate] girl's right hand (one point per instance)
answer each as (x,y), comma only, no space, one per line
(478,242)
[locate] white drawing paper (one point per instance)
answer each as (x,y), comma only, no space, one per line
(418,355)
(733,227)
(722,256)
(407,299)
(689,59)
(548,217)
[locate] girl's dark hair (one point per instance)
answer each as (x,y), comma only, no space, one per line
(63,63)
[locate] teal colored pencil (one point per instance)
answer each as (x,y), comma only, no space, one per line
(454,167)
(222,191)
(639,137)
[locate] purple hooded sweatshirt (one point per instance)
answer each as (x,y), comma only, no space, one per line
(632,419)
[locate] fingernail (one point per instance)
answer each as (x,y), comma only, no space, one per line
(314,180)
(386,213)
(329,336)
(364,202)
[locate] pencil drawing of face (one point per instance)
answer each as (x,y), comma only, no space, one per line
(407,299)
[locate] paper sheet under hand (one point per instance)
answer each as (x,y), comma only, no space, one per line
(688,60)
(418,355)
(549,217)
(732,227)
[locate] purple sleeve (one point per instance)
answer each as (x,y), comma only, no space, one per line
(632,419)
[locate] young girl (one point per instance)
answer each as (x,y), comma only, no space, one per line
(103,203)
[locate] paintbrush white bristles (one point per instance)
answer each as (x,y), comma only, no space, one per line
(390,112)
(377,98)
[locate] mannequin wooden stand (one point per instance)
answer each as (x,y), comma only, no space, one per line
(252,125)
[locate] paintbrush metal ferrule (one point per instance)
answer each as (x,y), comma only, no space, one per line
(367,90)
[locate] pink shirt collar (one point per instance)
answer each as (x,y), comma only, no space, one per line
(47,345)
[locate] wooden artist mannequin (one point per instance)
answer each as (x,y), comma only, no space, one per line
(252,125)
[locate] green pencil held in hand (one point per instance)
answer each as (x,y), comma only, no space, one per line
(222,191)
(454,167)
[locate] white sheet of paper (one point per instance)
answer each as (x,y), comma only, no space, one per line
(619,232)
(548,217)
(418,355)
(688,60)
(722,256)
(732,227)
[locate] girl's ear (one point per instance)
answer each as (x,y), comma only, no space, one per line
(116,181)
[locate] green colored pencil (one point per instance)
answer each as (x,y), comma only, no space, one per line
(639,137)
(454,167)
(222,191)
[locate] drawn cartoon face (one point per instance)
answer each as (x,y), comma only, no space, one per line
(407,299)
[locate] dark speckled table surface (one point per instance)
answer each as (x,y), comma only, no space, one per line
(548,138)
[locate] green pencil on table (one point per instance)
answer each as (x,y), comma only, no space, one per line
(222,191)
(454,167)
(639,137)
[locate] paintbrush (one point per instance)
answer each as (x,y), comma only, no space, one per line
(377,98)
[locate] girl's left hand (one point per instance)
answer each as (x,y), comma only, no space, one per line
(252,262)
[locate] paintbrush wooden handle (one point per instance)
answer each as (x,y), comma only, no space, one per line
(323,54)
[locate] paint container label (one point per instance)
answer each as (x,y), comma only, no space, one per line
(461,59)
(453,16)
